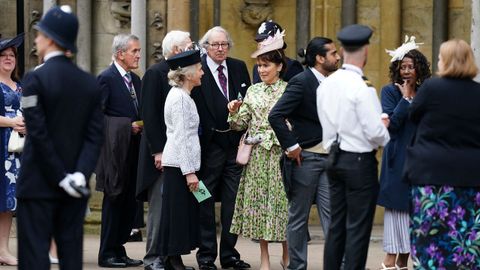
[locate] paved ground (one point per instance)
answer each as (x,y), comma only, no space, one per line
(250,251)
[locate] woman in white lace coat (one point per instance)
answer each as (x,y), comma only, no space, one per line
(180,160)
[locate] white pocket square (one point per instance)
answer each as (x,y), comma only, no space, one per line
(243,85)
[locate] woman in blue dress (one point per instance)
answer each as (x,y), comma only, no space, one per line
(10,119)
(409,68)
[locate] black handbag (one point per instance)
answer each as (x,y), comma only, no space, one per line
(333,154)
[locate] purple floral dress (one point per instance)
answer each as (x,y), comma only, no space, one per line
(445,227)
(12,160)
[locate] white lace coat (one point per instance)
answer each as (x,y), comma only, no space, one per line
(182,149)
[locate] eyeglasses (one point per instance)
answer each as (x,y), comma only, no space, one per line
(216,46)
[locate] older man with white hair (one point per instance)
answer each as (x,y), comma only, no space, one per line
(155,88)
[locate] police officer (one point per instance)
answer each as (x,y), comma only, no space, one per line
(350,113)
(63,116)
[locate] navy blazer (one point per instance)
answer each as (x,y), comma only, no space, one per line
(62,110)
(394,192)
(116,98)
(238,80)
(298,104)
(446,147)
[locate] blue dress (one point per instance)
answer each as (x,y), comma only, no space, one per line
(11,101)
(394,192)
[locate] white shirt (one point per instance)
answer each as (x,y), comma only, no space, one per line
(52,54)
(347,106)
(213,68)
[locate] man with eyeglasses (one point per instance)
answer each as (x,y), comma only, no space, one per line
(225,79)
(117,165)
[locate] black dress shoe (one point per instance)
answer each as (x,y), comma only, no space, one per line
(207,266)
(155,266)
(112,262)
(237,265)
(131,262)
(135,237)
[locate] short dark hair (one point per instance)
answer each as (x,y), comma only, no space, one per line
(315,47)
(277,57)
(420,62)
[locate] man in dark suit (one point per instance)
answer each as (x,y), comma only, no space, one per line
(155,89)
(224,79)
(303,145)
(62,109)
(269,29)
(117,168)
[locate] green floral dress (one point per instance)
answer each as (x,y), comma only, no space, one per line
(261,206)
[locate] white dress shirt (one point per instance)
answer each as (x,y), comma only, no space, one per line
(213,68)
(347,106)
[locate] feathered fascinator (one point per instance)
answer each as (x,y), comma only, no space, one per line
(407,46)
(270,44)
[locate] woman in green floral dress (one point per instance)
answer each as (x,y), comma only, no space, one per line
(261,206)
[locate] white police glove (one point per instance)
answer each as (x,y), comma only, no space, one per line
(76,179)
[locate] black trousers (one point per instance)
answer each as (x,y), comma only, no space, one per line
(220,174)
(38,220)
(118,213)
(353,184)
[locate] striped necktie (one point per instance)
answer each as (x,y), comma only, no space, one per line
(128,80)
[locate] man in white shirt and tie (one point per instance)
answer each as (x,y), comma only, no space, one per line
(224,80)
(350,113)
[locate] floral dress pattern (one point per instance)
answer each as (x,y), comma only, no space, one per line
(12,160)
(261,206)
(445,227)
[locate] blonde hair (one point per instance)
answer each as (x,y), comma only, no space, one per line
(457,60)
(178,76)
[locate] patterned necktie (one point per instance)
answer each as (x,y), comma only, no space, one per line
(128,80)
(223,81)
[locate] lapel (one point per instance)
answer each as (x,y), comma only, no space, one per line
(232,89)
(122,86)
(208,86)
(312,83)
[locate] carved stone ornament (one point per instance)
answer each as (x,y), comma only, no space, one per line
(35,16)
(256,11)
(157,21)
(157,52)
(121,12)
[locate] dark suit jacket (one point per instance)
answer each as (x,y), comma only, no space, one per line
(116,98)
(446,147)
(238,80)
(63,115)
(155,89)
(117,102)
(298,104)
(293,68)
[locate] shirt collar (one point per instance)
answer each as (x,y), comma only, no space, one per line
(320,77)
(120,68)
(353,68)
(52,54)
(213,66)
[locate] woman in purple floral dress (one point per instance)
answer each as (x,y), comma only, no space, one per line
(443,164)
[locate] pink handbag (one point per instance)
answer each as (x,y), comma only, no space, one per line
(244,151)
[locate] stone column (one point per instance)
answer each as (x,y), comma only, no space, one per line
(178,15)
(475,35)
(84,38)
(390,33)
(48,4)
(303,24)
(439,29)
(139,28)
(349,12)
